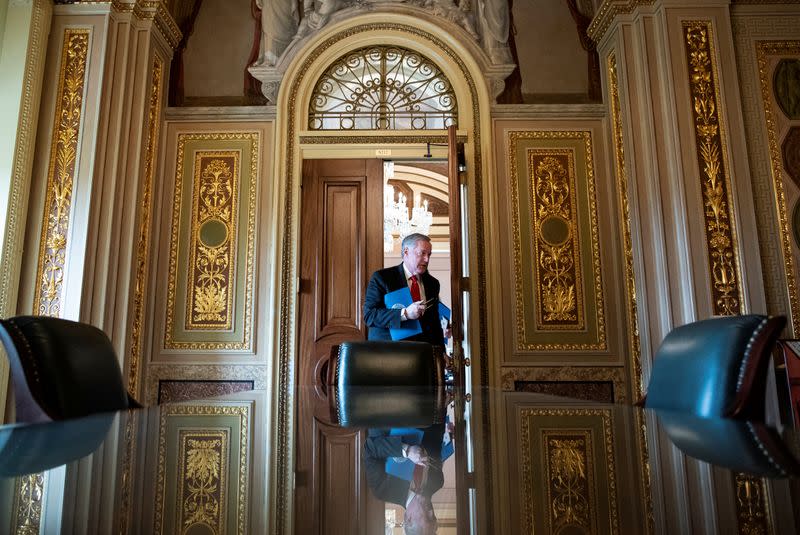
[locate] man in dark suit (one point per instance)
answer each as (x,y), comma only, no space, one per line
(414,495)
(413,273)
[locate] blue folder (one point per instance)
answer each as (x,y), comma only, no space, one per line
(400,299)
(403,467)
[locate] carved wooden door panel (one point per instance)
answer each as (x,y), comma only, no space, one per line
(341,239)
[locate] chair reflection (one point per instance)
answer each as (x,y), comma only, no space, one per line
(28,449)
(742,446)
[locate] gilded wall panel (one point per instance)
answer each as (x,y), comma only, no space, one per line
(203,466)
(212,245)
(770,56)
(569,481)
(557,277)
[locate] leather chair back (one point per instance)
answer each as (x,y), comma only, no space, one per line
(61,369)
(716,367)
(381,363)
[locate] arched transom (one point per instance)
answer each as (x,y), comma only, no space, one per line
(382,88)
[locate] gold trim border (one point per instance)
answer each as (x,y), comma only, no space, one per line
(609,10)
(62,172)
(255,147)
(243,412)
(634,347)
(720,233)
(14,233)
(285,357)
(364,139)
(143,241)
(586,136)
(763,50)
(607,418)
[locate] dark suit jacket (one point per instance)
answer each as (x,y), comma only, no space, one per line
(379,446)
(379,318)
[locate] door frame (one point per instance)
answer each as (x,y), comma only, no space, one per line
(456,59)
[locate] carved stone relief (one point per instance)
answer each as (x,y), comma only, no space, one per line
(284,31)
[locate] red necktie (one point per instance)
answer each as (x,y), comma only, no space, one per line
(414,289)
(420,475)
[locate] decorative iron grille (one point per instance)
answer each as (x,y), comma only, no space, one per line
(382,88)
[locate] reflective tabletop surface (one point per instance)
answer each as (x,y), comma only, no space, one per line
(372,460)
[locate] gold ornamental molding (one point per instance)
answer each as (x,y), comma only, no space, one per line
(625,227)
(569,470)
(558,261)
(143,239)
(752,509)
(609,10)
(214,284)
(23,158)
(61,173)
(712,160)
(200,437)
(141,279)
(286,347)
(764,51)
(634,347)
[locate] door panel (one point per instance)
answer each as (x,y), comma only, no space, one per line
(341,244)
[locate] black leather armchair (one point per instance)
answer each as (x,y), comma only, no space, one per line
(61,369)
(716,367)
(386,384)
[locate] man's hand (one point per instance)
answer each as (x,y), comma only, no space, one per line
(415,310)
(417,454)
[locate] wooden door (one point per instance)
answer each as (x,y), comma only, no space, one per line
(341,244)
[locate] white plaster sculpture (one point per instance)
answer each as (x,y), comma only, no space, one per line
(279,21)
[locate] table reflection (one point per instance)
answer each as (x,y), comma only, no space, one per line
(544,464)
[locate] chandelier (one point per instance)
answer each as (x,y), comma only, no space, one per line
(396,222)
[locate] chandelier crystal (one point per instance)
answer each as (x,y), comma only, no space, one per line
(396,221)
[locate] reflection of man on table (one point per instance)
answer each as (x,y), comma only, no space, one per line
(413,273)
(414,495)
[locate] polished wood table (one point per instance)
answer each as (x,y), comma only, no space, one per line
(510,462)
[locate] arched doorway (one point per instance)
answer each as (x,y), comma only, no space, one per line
(296,144)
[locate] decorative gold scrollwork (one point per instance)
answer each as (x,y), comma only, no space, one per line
(708,130)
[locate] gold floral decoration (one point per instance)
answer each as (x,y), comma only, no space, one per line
(211,302)
(723,263)
(568,472)
(61,173)
(28,495)
(203,479)
(558,287)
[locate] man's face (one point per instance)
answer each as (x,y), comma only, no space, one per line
(416,257)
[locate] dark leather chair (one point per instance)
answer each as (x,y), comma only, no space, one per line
(716,367)
(61,369)
(749,447)
(386,384)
